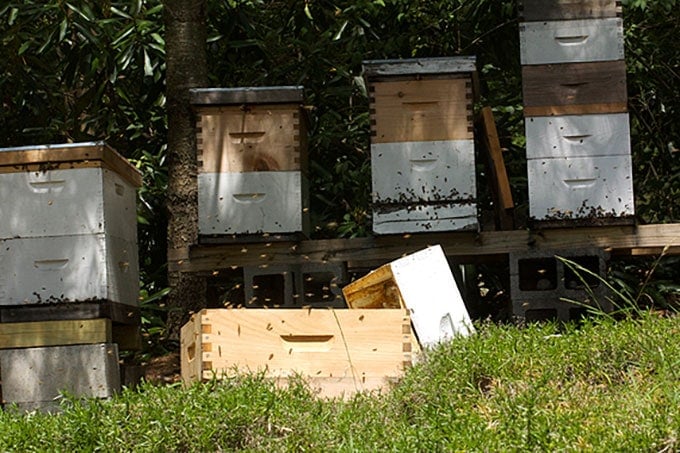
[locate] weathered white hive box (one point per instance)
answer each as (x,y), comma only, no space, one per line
(579,167)
(252,160)
(34,378)
(423,283)
(571,41)
(341,351)
(69,230)
(422,145)
(578,138)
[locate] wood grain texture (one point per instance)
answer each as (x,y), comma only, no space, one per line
(418,66)
(75,154)
(577,87)
(462,247)
(54,333)
(246,95)
(351,346)
(377,289)
(421,110)
(233,139)
(500,184)
(536,10)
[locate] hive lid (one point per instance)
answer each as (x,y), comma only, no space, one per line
(247,95)
(18,158)
(419,66)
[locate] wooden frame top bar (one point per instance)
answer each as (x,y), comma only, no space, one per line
(43,155)
(247,95)
(419,66)
(464,247)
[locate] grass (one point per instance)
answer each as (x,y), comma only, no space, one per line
(602,386)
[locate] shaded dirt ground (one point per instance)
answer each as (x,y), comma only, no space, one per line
(164,369)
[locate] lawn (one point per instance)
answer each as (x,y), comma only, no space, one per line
(603,385)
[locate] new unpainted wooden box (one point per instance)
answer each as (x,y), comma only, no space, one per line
(70,189)
(34,378)
(68,269)
(252,160)
(341,351)
(422,147)
(571,41)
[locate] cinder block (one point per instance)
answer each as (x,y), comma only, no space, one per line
(269,286)
(310,284)
(539,282)
(34,377)
(319,284)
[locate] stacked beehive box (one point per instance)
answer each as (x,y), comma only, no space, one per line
(252,161)
(68,265)
(422,147)
(575,105)
(410,302)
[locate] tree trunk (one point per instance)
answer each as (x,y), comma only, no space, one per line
(185,39)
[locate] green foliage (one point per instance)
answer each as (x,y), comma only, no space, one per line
(603,386)
(95,70)
(653,76)
(321,45)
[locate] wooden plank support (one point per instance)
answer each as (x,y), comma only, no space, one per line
(500,184)
(54,333)
(462,247)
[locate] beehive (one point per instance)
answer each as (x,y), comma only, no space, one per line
(69,230)
(34,378)
(422,147)
(575,106)
(252,160)
(341,351)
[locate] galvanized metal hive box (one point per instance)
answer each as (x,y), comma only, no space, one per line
(252,160)
(34,378)
(422,145)
(71,229)
(575,104)
(341,351)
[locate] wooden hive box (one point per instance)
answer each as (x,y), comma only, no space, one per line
(67,189)
(541,10)
(252,160)
(340,351)
(69,227)
(421,282)
(579,168)
(575,104)
(422,145)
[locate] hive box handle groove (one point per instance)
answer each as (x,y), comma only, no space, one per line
(571,40)
(307,343)
(249,197)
